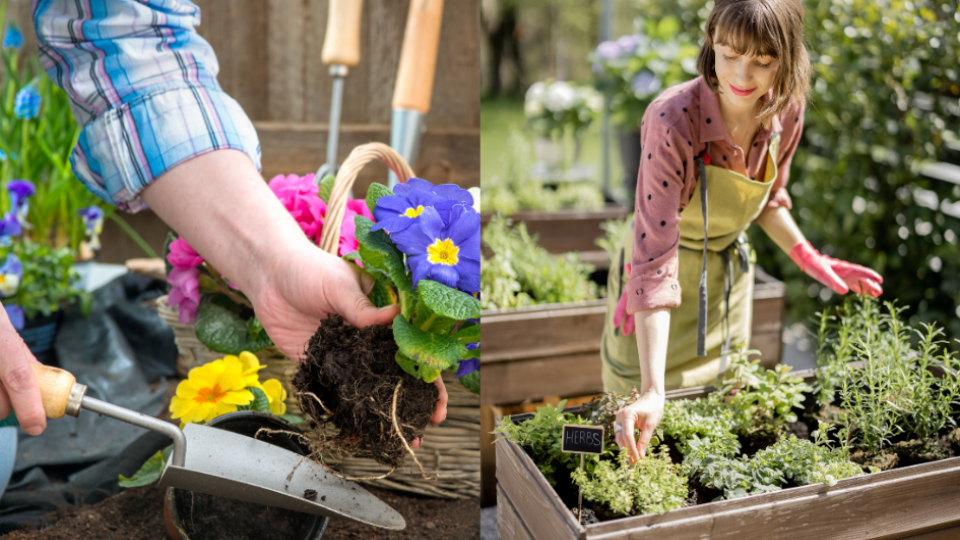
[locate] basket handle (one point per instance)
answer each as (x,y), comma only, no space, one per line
(346,176)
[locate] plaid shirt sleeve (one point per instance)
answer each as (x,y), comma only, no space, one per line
(143,85)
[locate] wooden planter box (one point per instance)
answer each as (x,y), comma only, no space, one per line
(554,350)
(564,231)
(918,502)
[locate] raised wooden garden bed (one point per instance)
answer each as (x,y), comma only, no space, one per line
(917,502)
(566,231)
(554,350)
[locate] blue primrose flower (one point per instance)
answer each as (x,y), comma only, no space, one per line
(13,38)
(27,103)
(468,366)
(15,314)
(396,212)
(446,251)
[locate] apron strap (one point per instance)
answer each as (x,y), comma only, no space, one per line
(702,315)
(616,329)
(725,323)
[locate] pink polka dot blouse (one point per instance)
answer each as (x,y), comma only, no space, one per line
(676,128)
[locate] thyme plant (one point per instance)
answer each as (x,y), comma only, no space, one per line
(652,485)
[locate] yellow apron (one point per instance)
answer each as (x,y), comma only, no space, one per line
(733,202)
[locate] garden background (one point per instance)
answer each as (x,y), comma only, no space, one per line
(875,180)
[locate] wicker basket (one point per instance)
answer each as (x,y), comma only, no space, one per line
(450,452)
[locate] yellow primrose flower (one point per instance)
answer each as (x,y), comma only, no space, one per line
(249,365)
(277,396)
(210,390)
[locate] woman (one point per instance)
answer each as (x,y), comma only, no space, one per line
(689,294)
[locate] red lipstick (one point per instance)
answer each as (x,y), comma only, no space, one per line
(741,92)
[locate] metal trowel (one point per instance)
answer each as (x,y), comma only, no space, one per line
(226,464)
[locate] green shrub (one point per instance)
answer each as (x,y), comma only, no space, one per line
(48,278)
(522,273)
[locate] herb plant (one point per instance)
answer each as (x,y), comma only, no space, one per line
(522,273)
(47,279)
(652,485)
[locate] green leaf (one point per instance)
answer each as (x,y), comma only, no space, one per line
(149,472)
(429,321)
(407,364)
(260,401)
(166,250)
(292,418)
(427,349)
(326,187)
(448,302)
(208,284)
(254,328)
(352,256)
(378,250)
(374,192)
(470,334)
(382,294)
(471,381)
(220,327)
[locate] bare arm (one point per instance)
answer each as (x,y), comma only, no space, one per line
(653,334)
(781,228)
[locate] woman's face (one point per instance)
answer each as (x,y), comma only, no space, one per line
(743,79)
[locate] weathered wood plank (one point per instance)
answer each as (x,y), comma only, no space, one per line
(509,524)
(951,533)
(488,459)
(543,330)
(515,381)
(446,156)
(544,515)
(567,230)
(878,506)
(287,61)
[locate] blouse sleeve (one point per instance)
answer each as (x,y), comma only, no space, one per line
(143,85)
(666,165)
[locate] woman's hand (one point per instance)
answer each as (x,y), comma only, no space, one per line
(307,285)
(18,386)
(644,413)
(840,276)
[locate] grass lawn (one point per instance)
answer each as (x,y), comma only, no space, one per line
(499,116)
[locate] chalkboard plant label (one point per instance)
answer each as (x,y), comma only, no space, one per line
(582,439)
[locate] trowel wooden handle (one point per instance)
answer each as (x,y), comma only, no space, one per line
(60,391)
(418,57)
(341,44)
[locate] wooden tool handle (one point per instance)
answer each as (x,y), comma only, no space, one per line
(341,44)
(418,57)
(56,386)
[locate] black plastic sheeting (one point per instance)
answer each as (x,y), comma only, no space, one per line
(117,351)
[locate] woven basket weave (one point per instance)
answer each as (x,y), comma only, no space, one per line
(450,452)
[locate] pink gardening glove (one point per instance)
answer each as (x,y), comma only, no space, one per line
(620,313)
(840,276)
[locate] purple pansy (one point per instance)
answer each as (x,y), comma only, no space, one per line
(10,275)
(444,250)
(15,314)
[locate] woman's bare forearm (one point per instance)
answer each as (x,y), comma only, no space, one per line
(653,334)
(219,202)
(781,228)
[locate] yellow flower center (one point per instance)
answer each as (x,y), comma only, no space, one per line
(443,252)
(414,212)
(209,394)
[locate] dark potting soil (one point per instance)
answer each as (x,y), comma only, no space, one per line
(137,514)
(207,517)
(134,514)
(354,374)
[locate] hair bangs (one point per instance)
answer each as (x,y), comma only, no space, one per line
(749,29)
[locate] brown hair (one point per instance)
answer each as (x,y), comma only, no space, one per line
(761,28)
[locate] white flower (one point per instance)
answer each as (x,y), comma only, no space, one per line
(532,108)
(9,284)
(559,96)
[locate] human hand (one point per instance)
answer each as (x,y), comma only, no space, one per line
(620,314)
(18,385)
(307,284)
(839,276)
(644,413)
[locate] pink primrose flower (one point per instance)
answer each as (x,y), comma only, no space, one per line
(182,255)
(185,293)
